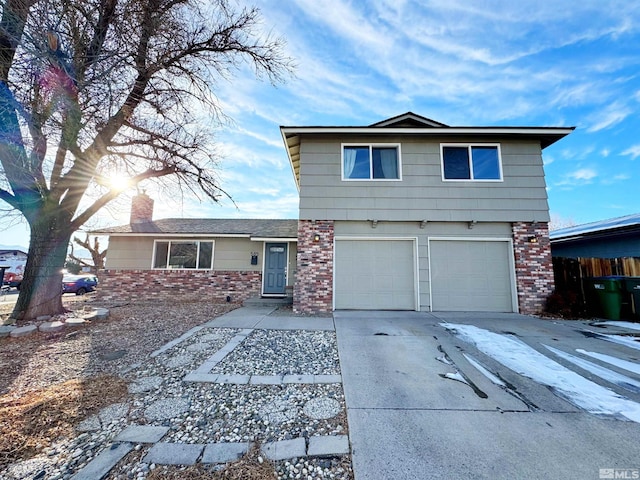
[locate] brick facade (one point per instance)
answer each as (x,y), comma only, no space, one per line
(534,269)
(185,285)
(141,209)
(313,290)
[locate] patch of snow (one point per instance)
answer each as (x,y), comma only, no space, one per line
(456,376)
(604,373)
(483,370)
(618,362)
(524,360)
(621,340)
(444,359)
(629,325)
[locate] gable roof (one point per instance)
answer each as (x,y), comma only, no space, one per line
(231,227)
(411,124)
(408,119)
(609,226)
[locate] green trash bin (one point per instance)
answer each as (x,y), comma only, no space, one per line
(609,293)
(632,286)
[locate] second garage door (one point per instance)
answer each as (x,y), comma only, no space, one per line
(471,276)
(375,275)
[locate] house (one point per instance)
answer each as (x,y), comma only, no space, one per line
(191,259)
(412,214)
(12,265)
(404,214)
(613,238)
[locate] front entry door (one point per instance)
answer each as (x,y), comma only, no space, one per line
(275,269)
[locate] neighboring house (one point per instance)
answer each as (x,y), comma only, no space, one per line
(181,259)
(412,214)
(15,262)
(613,238)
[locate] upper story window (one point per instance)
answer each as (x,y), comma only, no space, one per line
(371,162)
(478,162)
(183,254)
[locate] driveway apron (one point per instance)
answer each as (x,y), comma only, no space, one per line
(410,416)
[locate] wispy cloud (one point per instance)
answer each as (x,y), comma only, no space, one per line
(633,152)
(612,115)
(581,176)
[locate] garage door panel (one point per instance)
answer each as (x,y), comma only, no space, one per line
(374,274)
(471,275)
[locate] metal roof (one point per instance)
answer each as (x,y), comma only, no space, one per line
(237,227)
(595,227)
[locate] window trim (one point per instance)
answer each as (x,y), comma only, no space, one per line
(371,146)
(182,240)
(469,147)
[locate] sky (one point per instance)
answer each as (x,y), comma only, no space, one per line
(459,62)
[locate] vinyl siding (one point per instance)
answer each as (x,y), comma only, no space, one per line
(422,194)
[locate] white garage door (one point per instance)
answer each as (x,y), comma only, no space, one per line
(471,276)
(375,275)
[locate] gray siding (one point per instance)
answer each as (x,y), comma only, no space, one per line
(421,194)
(413,230)
(598,248)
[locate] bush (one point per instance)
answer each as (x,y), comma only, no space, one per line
(566,304)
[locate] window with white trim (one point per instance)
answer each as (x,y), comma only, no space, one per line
(183,254)
(371,162)
(478,162)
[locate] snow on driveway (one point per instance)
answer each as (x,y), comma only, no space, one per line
(524,360)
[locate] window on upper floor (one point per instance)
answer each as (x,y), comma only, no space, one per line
(475,162)
(371,162)
(183,254)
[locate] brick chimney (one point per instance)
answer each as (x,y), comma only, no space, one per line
(141,209)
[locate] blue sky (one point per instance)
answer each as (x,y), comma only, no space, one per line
(471,63)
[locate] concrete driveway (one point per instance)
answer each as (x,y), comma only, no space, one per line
(418,408)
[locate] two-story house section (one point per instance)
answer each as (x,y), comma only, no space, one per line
(412,214)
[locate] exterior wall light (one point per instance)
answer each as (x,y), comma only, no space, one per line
(533,239)
(316,238)
(254,258)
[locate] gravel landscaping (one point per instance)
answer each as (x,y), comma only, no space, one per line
(193,412)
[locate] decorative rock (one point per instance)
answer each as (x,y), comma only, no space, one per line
(22,331)
(51,326)
(5,330)
(145,384)
(322,408)
(166,408)
(74,321)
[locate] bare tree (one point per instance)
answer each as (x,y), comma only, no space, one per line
(97,256)
(96,88)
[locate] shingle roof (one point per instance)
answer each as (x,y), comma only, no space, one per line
(267,228)
(594,227)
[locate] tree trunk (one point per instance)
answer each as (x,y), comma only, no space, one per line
(41,288)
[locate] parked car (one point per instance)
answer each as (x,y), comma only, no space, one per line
(79,284)
(12,280)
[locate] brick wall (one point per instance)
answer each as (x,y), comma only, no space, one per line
(141,209)
(313,290)
(534,269)
(131,285)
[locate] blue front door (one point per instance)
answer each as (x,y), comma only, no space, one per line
(275,269)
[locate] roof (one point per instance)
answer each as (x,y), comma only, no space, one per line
(236,227)
(411,124)
(627,222)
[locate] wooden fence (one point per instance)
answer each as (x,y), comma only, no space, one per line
(571,272)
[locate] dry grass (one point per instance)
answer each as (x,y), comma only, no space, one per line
(36,419)
(246,468)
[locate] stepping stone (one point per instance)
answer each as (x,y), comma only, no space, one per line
(285,449)
(22,331)
(224,452)
(107,415)
(145,384)
(233,379)
(278,411)
(103,463)
(108,357)
(322,408)
(298,379)
(142,434)
(51,326)
(265,380)
(328,446)
(198,347)
(96,314)
(166,408)
(165,453)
